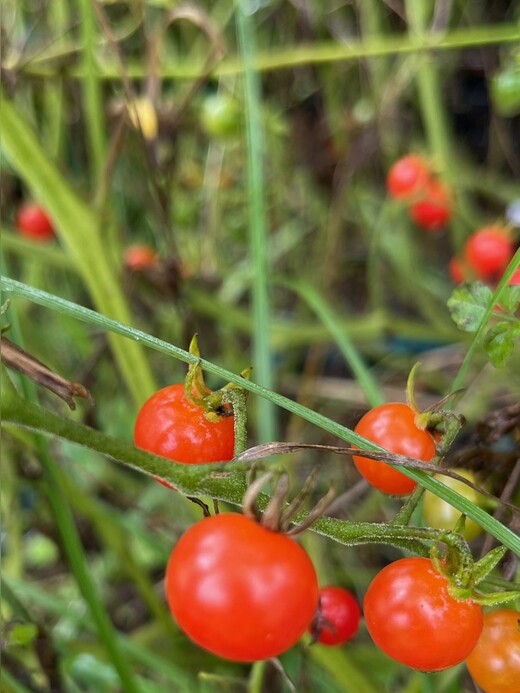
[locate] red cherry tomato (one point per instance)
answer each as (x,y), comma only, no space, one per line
(494,664)
(433,211)
(139,257)
(488,252)
(393,427)
(412,617)
(240,591)
(170,426)
(338,616)
(33,222)
(407,177)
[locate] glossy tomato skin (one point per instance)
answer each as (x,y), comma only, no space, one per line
(338,616)
(240,591)
(438,513)
(411,616)
(393,427)
(494,664)
(33,222)
(433,211)
(170,426)
(488,251)
(407,177)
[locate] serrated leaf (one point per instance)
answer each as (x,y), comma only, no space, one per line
(500,342)
(468,305)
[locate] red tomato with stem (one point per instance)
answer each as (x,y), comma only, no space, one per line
(33,222)
(494,664)
(407,177)
(170,426)
(338,616)
(412,617)
(433,211)
(488,252)
(393,427)
(239,590)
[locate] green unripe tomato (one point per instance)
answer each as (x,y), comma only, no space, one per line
(220,116)
(440,514)
(505,92)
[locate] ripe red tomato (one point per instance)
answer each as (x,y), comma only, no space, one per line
(138,257)
(412,617)
(393,427)
(170,426)
(494,664)
(488,252)
(433,211)
(338,616)
(33,222)
(407,177)
(240,591)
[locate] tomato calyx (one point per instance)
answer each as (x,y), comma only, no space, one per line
(464,574)
(215,403)
(278,514)
(443,424)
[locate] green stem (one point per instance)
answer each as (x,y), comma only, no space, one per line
(199,479)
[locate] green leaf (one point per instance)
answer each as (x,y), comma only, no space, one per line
(468,305)
(510,299)
(500,342)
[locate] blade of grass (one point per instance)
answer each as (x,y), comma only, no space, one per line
(499,531)
(258,240)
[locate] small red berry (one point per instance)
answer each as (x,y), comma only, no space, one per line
(433,211)
(488,252)
(33,222)
(407,177)
(139,257)
(457,270)
(338,616)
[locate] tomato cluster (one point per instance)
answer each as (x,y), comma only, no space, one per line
(411,180)
(246,592)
